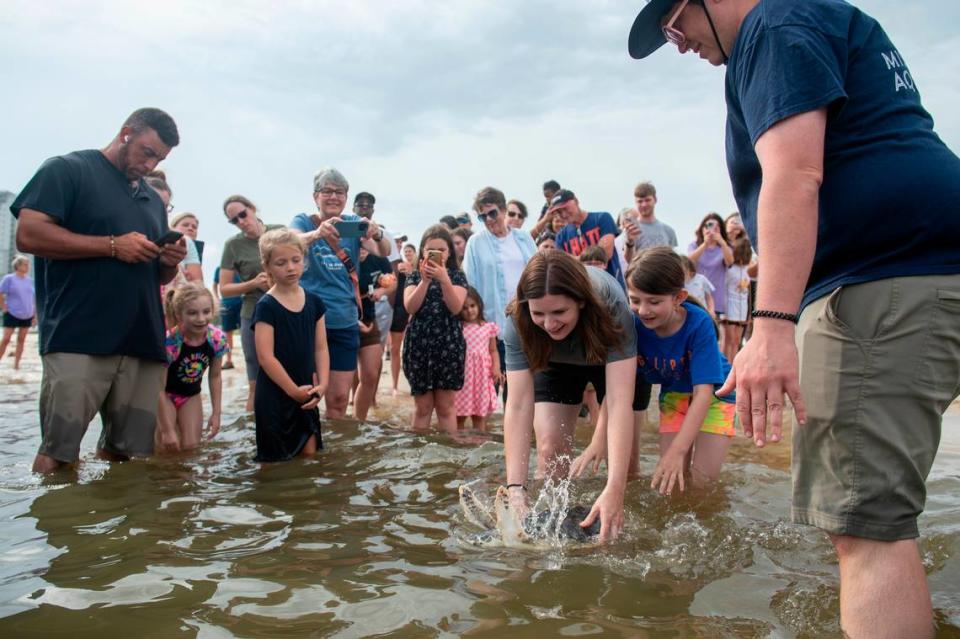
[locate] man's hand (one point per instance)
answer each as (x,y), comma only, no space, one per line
(609,507)
(134,247)
(173,253)
(766,369)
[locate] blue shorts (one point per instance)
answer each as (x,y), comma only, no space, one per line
(343,344)
(230,318)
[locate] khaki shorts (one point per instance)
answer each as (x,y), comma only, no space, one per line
(75,387)
(879,365)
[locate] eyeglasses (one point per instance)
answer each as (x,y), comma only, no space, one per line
(169,208)
(673,35)
(333,193)
(361,205)
(514,214)
(242,215)
(491,214)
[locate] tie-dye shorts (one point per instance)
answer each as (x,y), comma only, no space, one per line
(720,418)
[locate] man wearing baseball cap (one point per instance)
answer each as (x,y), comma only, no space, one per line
(828,146)
(584,229)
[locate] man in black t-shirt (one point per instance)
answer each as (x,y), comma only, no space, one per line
(94,225)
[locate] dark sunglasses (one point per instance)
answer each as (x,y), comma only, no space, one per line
(515,214)
(242,215)
(492,214)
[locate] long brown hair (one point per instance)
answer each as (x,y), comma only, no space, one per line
(559,273)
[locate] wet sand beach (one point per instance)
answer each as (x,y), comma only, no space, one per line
(367,540)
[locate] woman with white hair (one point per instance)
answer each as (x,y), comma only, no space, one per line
(17,303)
(332,274)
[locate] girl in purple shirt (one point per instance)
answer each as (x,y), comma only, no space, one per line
(712,254)
(17,305)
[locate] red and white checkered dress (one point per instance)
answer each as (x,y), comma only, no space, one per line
(477,397)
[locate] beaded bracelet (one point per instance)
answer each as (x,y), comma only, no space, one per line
(113,247)
(776,315)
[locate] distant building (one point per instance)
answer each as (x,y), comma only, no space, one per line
(8,229)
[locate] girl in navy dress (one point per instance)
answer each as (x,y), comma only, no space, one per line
(291,340)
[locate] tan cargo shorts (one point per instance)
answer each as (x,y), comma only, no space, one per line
(75,387)
(879,365)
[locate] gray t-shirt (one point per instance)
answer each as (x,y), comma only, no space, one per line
(655,233)
(571,350)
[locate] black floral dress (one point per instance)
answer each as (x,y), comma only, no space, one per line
(433,347)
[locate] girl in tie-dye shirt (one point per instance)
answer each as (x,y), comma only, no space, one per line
(677,348)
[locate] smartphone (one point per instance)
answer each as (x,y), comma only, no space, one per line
(168,238)
(352,228)
(435,256)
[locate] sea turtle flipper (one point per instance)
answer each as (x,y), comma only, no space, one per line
(474,510)
(509,522)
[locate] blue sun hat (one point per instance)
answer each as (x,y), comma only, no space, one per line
(646,36)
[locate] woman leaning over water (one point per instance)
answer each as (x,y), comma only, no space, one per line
(241,255)
(569,325)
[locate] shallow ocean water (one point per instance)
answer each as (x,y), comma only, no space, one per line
(367,540)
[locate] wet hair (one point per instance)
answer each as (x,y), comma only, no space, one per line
(521,206)
(157,180)
(18,260)
(719,220)
(551,185)
(274,239)
(472,294)
(645,189)
(151,118)
(439,232)
(450,222)
(175,300)
(559,273)
(329,176)
(241,199)
(742,252)
(594,254)
(487,196)
(179,217)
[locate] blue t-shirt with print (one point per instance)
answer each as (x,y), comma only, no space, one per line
(890,201)
(327,277)
(574,239)
(689,357)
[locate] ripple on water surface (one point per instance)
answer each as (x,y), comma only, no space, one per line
(368,540)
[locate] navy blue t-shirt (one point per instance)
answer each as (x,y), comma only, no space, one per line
(574,239)
(97,306)
(890,200)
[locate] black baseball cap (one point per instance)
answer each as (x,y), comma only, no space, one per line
(363,195)
(646,36)
(560,198)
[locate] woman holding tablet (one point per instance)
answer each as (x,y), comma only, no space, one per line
(569,325)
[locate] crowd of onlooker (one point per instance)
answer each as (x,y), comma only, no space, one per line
(435,311)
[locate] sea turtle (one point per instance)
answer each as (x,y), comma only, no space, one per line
(501,527)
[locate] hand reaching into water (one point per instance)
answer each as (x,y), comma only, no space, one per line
(669,472)
(213,425)
(609,507)
(590,459)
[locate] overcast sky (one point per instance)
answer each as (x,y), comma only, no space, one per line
(420,102)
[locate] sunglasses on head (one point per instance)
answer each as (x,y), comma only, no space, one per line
(491,214)
(242,215)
